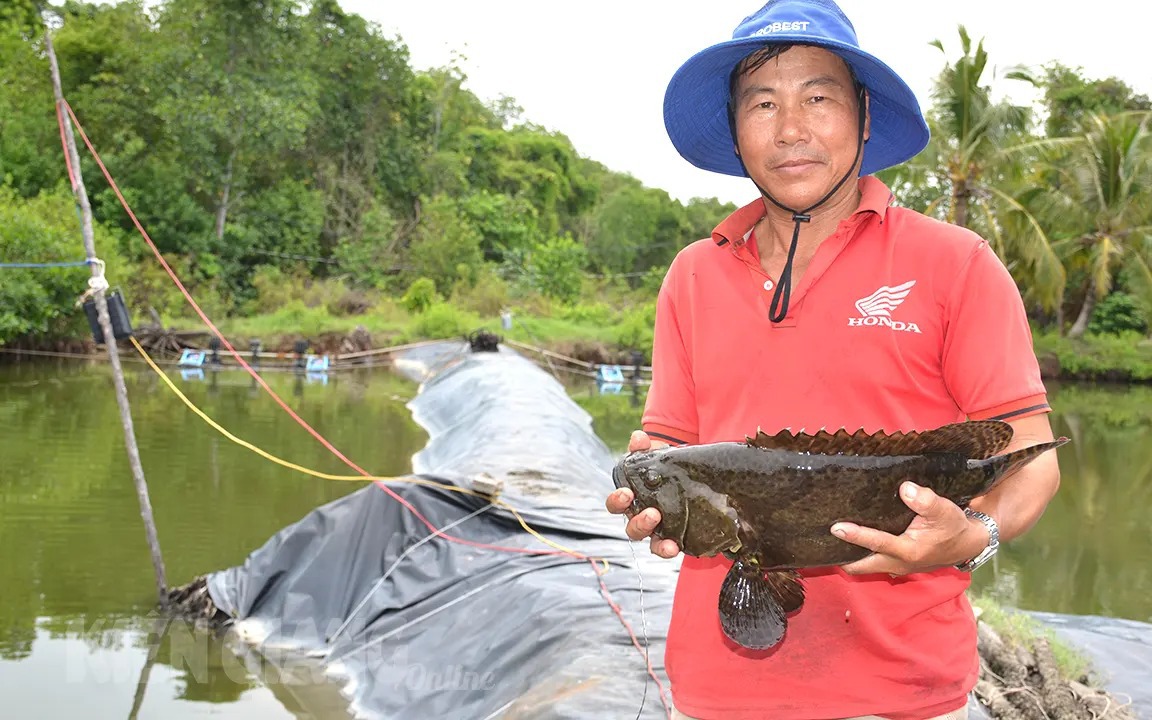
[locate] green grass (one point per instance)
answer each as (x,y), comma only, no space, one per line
(390,324)
(530,329)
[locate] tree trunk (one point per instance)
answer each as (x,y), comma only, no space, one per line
(225,194)
(1086,309)
(960,202)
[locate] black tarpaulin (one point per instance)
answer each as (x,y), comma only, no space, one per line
(444,630)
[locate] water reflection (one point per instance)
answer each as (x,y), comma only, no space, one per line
(1090,552)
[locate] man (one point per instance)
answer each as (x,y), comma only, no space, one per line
(819,305)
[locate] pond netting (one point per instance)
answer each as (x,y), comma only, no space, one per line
(364,596)
(411,625)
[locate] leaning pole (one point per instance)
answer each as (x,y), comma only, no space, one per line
(98,284)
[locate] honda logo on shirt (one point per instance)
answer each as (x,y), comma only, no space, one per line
(876,309)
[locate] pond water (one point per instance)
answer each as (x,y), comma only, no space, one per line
(76,581)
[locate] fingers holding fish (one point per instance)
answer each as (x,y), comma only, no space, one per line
(667,549)
(939,536)
(639,442)
(619,501)
(641,524)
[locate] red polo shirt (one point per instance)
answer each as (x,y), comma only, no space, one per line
(900,322)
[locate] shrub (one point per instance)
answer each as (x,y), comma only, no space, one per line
(1116,314)
(441,321)
(556,268)
(635,329)
(596,313)
(487,295)
(421,295)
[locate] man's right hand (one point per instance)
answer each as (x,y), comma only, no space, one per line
(645,522)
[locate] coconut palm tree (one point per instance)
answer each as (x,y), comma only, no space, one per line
(972,178)
(1099,202)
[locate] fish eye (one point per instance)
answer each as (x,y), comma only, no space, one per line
(650,480)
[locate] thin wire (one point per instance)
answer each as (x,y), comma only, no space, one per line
(77,263)
(632,634)
(643,630)
(381,638)
(396,563)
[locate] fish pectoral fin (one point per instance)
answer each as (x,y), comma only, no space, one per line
(786,588)
(751,612)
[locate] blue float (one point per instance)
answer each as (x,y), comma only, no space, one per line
(192,358)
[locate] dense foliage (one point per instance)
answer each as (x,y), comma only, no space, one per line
(288,142)
(286,157)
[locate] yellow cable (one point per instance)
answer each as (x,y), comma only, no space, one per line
(349,478)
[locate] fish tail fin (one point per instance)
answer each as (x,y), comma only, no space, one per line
(1001,466)
(754,604)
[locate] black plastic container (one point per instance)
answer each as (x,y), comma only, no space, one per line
(117,314)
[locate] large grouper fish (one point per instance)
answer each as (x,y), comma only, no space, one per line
(769,503)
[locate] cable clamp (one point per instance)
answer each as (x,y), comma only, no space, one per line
(96,283)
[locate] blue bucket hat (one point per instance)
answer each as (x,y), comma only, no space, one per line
(696,101)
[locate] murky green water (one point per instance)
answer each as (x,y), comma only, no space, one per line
(76,582)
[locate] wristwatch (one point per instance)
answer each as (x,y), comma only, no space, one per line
(993,541)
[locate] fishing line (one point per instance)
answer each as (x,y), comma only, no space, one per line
(643,628)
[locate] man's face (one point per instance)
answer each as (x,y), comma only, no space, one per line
(796,117)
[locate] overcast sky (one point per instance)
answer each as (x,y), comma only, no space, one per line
(596,69)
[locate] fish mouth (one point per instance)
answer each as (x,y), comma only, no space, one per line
(620,481)
(618,477)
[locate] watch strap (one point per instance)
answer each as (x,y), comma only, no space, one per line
(993,541)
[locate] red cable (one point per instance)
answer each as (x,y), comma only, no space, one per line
(155,251)
(64,144)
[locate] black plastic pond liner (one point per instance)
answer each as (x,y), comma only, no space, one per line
(453,631)
(417,630)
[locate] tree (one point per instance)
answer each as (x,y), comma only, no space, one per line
(358,146)
(1100,202)
(1070,99)
(555,268)
(237,94)
(970,164)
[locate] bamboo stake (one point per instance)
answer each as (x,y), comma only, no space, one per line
(98,284)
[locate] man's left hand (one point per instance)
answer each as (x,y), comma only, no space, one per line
(940,535)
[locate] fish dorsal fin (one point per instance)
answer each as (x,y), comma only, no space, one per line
(976,439)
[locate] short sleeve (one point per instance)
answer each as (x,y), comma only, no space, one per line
(670,410)
(989,362)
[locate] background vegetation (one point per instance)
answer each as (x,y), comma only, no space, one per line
(301,177)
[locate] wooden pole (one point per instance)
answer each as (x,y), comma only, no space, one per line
(98,284)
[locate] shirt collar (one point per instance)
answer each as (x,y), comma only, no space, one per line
(875,197)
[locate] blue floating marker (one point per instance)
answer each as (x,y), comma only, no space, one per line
(609,374)
(192,358)
(316,363)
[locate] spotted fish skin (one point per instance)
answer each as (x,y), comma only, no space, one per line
(769,503)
